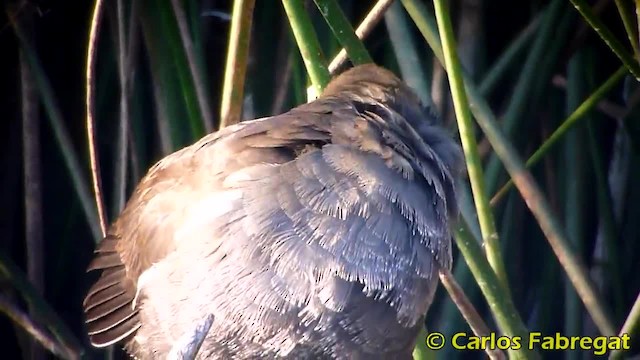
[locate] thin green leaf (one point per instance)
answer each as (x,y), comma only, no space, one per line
(78,178)
(169,33)
(96,20)
(469,145)
(606,216)
(504,311)
(122,139)
(406,53)
(236,68)
(343,31)
(308,44)
(197,72)
(363,30)
(572,120)
(607,36)
(573,170)
(175,125)
(509,57)
(628,22)
(525,183)
(543,51)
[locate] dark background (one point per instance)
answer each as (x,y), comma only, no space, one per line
(58,34)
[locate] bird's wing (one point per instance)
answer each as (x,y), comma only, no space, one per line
(164,201)
(311,195)
(347,227)
(341,213)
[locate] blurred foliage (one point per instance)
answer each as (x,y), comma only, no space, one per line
(553,72)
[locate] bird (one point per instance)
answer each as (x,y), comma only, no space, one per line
(315,233)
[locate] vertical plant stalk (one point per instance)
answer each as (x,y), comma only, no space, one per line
(123,126)
(364,29)
(32,185)
(178,74)
(283,72)
(498,299)
(574,188)
(578,114)
(467,310)
(607,244)
(298,78)
(166,108)
(197,74)
(236,68)
(96,19)
(343,31)
(638,18)
(504,310)
(530,191)
(469,145)
(404,46)
(607,36)
(470,36)
(133,49)
(307,43)
(530,71)
(533,75)
(537,203)
(508,57)
(54,115)
(627,21)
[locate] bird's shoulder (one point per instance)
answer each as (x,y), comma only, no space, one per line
(143,234)
(358,140)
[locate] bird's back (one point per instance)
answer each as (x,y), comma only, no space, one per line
(316,233)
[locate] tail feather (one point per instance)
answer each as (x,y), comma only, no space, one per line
(117,333)
(109,311)
(105,260)
(108,306)
(109,278)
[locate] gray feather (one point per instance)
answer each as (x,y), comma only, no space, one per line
(316,233)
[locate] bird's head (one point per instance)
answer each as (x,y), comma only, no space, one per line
(370,83)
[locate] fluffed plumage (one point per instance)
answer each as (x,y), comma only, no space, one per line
(317,233)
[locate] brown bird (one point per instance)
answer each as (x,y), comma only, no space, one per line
(317,233)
